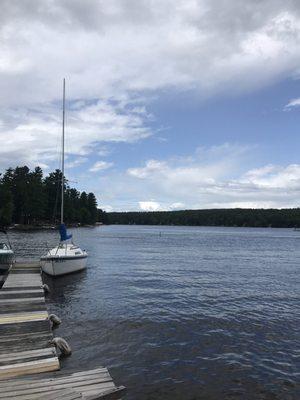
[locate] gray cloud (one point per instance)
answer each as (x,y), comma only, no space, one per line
(120,51)
(112,48)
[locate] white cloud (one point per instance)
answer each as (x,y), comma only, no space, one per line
(100,166)
(34,135)
(107,208)
(76,162)
(176,206)
(209,178)
(274,177)
(104,151)
(292,104)
(149,206)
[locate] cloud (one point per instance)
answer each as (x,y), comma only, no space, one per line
(208,46)
(204,167)
(116,56)
(100,166)
(104,151)
(292,104)
(33,135)
(76,162)
(213,177)
(274,178)
(176,206)
(149,206)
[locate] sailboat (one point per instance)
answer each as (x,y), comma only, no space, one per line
(66,257)
(7,257)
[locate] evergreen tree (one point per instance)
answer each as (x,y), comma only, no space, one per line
(6,205)
(92,207)
(20,193)
(37,196)
(28,198)
(85,216)
(52,185)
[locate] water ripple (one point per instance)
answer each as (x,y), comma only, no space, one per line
(196,313)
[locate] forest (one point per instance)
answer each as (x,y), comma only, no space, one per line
(29,198)
(276,218)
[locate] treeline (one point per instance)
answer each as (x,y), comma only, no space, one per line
(284,218)
(27,198)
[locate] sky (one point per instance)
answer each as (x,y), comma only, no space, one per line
(181,104)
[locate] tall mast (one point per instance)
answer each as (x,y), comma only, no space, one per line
(63,156)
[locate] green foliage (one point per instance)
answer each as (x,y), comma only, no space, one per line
(6,206)
(102,216)
(28,198)
(284,218)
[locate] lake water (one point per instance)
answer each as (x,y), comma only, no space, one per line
(182,312)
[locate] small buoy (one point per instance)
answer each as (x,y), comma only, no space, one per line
(61,345)
(54,319)
(46,288)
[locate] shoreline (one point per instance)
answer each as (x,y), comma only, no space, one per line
(22,227)
(36,228)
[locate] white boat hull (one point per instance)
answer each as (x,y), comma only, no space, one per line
(6,262)
(63,265)
(7,258)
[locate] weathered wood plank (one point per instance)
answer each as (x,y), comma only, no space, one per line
(79,377)
(19,307)
(22,335)
(39,396)
(23,354)
(35,382)
(112,394)
(24,271)
(16,347)
(26,360)
(20,288)
(26,327)
(23,317)
(66,394)
(19,294)
(30,367)
(26,300)
(28,264)
(28,394)
(82,387)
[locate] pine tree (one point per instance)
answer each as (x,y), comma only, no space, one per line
(6,205)
(92,207)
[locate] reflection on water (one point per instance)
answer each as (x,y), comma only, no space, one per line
(193,313)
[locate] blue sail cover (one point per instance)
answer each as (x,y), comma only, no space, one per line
(63,233)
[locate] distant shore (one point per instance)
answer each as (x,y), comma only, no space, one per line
(231,217)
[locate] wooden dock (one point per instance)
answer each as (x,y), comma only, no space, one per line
(25,330)
(25,333)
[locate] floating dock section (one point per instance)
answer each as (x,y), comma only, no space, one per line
(25,349)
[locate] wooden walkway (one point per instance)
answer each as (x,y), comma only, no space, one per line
(24,326)
(25,333)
